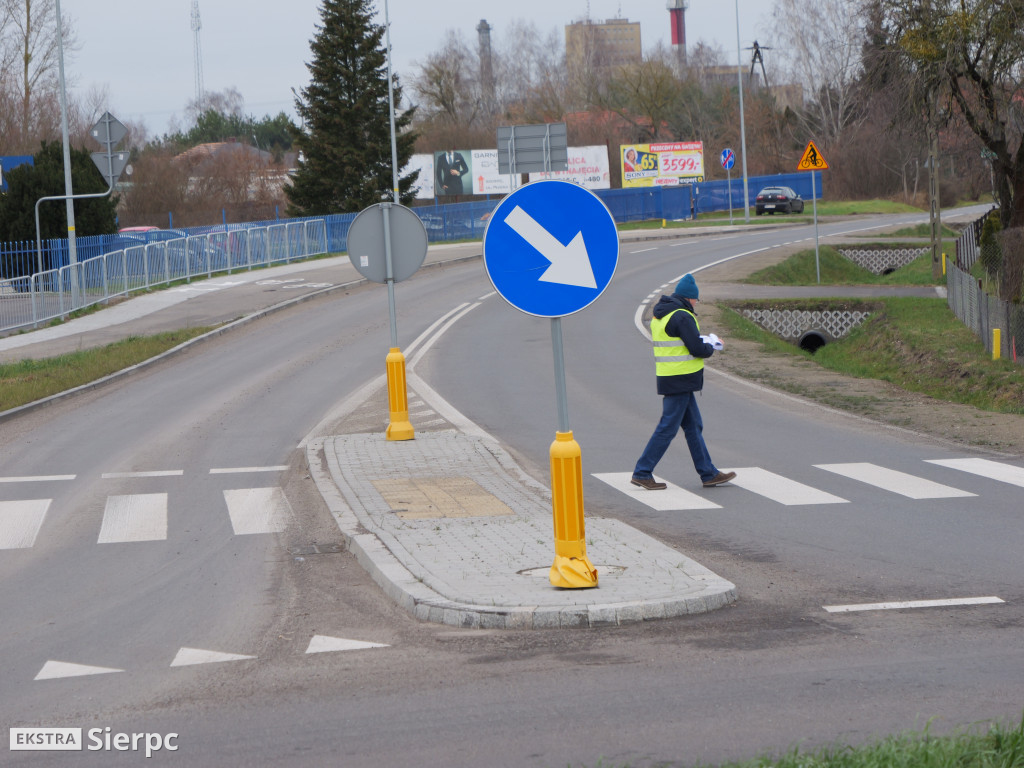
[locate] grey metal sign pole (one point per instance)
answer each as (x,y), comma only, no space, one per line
(561,395)
(72,244)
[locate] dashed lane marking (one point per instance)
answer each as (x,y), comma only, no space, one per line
(155,473)
(37,478)
(245,470)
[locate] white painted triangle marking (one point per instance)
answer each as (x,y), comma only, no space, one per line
(54,669)
(324,644)
(189,656)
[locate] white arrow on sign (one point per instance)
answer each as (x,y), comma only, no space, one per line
(570,264)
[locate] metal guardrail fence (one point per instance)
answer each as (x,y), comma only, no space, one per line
(978,310)
(27,301)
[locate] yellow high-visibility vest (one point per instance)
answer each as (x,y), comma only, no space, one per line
(671,357)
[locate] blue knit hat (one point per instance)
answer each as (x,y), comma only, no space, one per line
(687,288)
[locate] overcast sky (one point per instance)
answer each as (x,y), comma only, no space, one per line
(143,52)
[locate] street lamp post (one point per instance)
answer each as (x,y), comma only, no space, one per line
(72,244)
(743,130)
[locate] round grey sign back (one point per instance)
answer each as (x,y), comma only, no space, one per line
(365,242)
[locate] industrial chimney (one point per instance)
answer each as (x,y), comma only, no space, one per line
(677,16)
(486,68)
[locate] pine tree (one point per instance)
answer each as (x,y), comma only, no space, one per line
(346,139)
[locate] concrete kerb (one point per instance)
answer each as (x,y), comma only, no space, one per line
(405,580)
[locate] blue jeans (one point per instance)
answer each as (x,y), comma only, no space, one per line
(677,411)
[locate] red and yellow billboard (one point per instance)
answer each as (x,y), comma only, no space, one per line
(667,164)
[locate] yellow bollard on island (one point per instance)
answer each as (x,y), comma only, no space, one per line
(399,427)
(571,568)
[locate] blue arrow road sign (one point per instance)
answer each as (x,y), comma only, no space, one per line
(728,159)
(551,248)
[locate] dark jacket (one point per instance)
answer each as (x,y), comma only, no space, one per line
(682,326)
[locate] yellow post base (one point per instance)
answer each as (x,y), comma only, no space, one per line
(997,343)
(571,569)
(399,427)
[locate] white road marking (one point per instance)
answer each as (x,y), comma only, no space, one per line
(644,250)
(243,470)
(188,656)
(671,498)
(779,488)
(913,604)
(258,510)
(898,482)
(20,522)
(138,517)
(36,478)
(325,644)
(156,473)
(55,669)
(994,470)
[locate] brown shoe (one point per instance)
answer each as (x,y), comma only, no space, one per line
(721,477)
(649,483)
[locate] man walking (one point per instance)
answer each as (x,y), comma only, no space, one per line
(679,353)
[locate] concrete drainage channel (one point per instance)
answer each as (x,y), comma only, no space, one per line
(809,329)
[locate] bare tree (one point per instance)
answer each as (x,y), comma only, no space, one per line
(823,43)
(30,60)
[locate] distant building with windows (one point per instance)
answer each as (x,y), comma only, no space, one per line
(593,44)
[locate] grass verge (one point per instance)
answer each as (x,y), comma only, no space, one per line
(29,380)
(915,343)
(800,269)
(980,746)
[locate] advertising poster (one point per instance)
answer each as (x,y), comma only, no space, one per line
(666,164)
(450,171)
(588,167)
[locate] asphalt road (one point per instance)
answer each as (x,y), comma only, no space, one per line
(212,433)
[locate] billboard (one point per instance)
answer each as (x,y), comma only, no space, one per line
(475,172)
(666,164)
(588,167)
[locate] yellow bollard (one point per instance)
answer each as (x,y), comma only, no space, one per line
(571,568)
(943,264)
(996,343)
(398,403)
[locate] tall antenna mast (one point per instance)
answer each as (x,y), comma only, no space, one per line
(197,25)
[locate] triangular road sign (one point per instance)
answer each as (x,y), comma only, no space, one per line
(812,159)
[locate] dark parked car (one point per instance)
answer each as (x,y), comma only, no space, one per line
(778,200)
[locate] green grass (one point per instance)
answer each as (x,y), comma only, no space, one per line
(800,269)
(915,343)
(991,746)
(924,230)
(30,380)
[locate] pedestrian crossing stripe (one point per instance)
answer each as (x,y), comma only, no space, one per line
(792,493)
(994,470)
(780,489)
(138,517)
(672,498)
(258,510)
(20,522)
(897,482)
